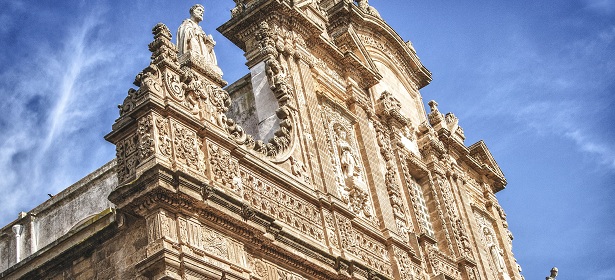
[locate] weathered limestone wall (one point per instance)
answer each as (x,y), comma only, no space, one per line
(55,219)
(243,106)
(115,258)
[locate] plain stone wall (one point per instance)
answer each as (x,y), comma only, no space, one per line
(265,103)
(55,217)
(243,107)
(116,258)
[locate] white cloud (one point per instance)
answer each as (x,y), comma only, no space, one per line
(561,93)
(54,102)
(606,7)
(604,152)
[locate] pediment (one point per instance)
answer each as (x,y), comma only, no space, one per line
(349,41)
(481,153)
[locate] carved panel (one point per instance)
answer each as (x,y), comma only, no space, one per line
(395,196)
(146,138)
(161,225)
(225,169)
(188,148)
(442,264)
(265,270)
(370,251)
(330,228)
(174,86)
(404,264)
(127,158)
(215,243)
(164,137)
(283,205)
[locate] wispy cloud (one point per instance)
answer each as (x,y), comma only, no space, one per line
(600,6)
(605,153)
(51,122)
(562,93)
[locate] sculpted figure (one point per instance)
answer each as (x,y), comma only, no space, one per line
(496,252)
(553,274)
(356,189)
(192,39)
(347,160)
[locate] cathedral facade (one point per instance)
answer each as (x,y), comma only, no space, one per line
(321,163)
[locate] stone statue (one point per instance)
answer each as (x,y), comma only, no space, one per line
(356,190)
(347,160)
(553,274)
(191,39)
(496,253)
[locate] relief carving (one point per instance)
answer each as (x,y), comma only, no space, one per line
(127,161)
(283,205)
(225,169)
(370,251)
(146,138)
(491,244)
(164,138)
(215,243)
(188,147)
(330,227)
(404,264)
(441,264)
(354,191)
(299,170)
(391,181)
(149,82)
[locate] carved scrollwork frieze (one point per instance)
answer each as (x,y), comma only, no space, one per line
(283,206)
(370,252)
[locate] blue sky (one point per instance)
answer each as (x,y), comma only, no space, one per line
(534,79)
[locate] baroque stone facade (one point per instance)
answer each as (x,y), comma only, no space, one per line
(330,169)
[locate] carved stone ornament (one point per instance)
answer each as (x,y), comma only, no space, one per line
(216,203)
(388,107)
(391,180)
(366,8)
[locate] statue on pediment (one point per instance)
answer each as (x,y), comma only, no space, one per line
(192,40)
